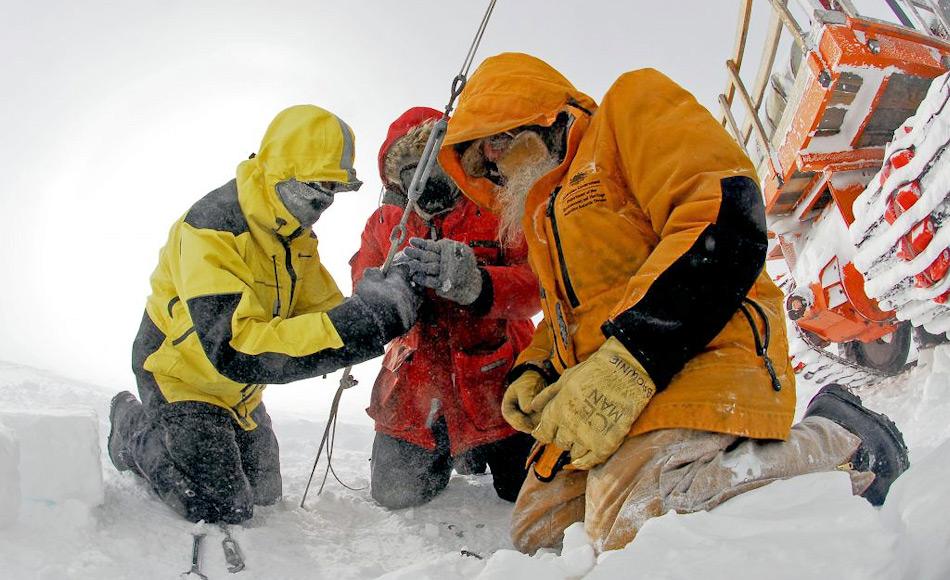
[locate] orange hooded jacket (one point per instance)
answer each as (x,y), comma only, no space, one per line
(652,230)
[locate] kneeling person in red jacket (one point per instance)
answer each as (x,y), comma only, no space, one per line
(437,398)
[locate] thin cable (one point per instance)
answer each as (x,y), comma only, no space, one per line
(346,381)
(470,56)
(399,234)
(330,464)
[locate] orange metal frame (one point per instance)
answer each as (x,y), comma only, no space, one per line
(847,46)
(844,198)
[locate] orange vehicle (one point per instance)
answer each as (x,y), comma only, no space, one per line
(849,138)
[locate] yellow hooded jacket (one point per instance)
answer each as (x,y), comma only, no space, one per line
(652,230)
(239,298)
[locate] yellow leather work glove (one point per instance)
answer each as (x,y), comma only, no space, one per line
(516,404)
(594,405)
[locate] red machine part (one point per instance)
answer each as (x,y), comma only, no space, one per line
(918,239)
(895,161)
(842,312)
(902,200)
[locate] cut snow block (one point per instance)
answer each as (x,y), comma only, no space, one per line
(59,455)
(9,477)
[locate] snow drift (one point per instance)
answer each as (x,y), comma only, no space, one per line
(806,527)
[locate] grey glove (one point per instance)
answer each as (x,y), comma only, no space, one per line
(447,266)
(390,299)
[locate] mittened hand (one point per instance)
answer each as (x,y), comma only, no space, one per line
(447,266)
(595,404)
(390,298)
(516,405)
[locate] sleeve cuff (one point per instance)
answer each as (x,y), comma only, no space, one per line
(545,369)
(660,376)
(359,327)
(486,299)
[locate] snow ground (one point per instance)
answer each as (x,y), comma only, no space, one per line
(807,527)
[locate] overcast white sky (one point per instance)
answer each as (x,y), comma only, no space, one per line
(116,116)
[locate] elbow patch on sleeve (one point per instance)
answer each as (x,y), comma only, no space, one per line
(692,300)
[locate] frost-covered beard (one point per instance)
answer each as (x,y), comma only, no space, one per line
(513,195)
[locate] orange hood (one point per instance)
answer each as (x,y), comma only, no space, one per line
(506,91)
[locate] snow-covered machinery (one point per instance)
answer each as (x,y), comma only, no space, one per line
(850,144)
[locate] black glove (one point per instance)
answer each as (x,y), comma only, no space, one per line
(447,266)
(390,299)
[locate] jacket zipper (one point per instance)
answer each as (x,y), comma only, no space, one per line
(568,286)
(288,262)
(276,310)
(554,331)
(248,391)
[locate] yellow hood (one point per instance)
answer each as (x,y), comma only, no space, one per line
(304,142)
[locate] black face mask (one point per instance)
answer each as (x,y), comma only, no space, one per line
(439,195)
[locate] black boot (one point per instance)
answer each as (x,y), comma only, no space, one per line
(123,414)
(882,450)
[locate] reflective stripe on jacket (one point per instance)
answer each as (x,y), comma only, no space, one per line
(651,230)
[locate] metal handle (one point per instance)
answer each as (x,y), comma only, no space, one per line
(195,553)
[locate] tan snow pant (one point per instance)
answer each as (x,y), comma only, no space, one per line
(671,469)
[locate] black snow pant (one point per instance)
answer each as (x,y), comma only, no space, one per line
(405,475)
(203,464)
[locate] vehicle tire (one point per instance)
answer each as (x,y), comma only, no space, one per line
(887,354)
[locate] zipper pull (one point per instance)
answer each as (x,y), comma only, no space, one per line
(776,384)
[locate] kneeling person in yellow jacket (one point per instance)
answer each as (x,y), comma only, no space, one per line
(239,300)
(661,365)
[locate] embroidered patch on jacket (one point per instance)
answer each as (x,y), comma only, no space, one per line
(585,190)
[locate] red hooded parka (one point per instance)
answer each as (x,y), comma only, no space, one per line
(454,361)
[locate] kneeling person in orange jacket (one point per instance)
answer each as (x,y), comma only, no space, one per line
(436,402)
(661,362)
